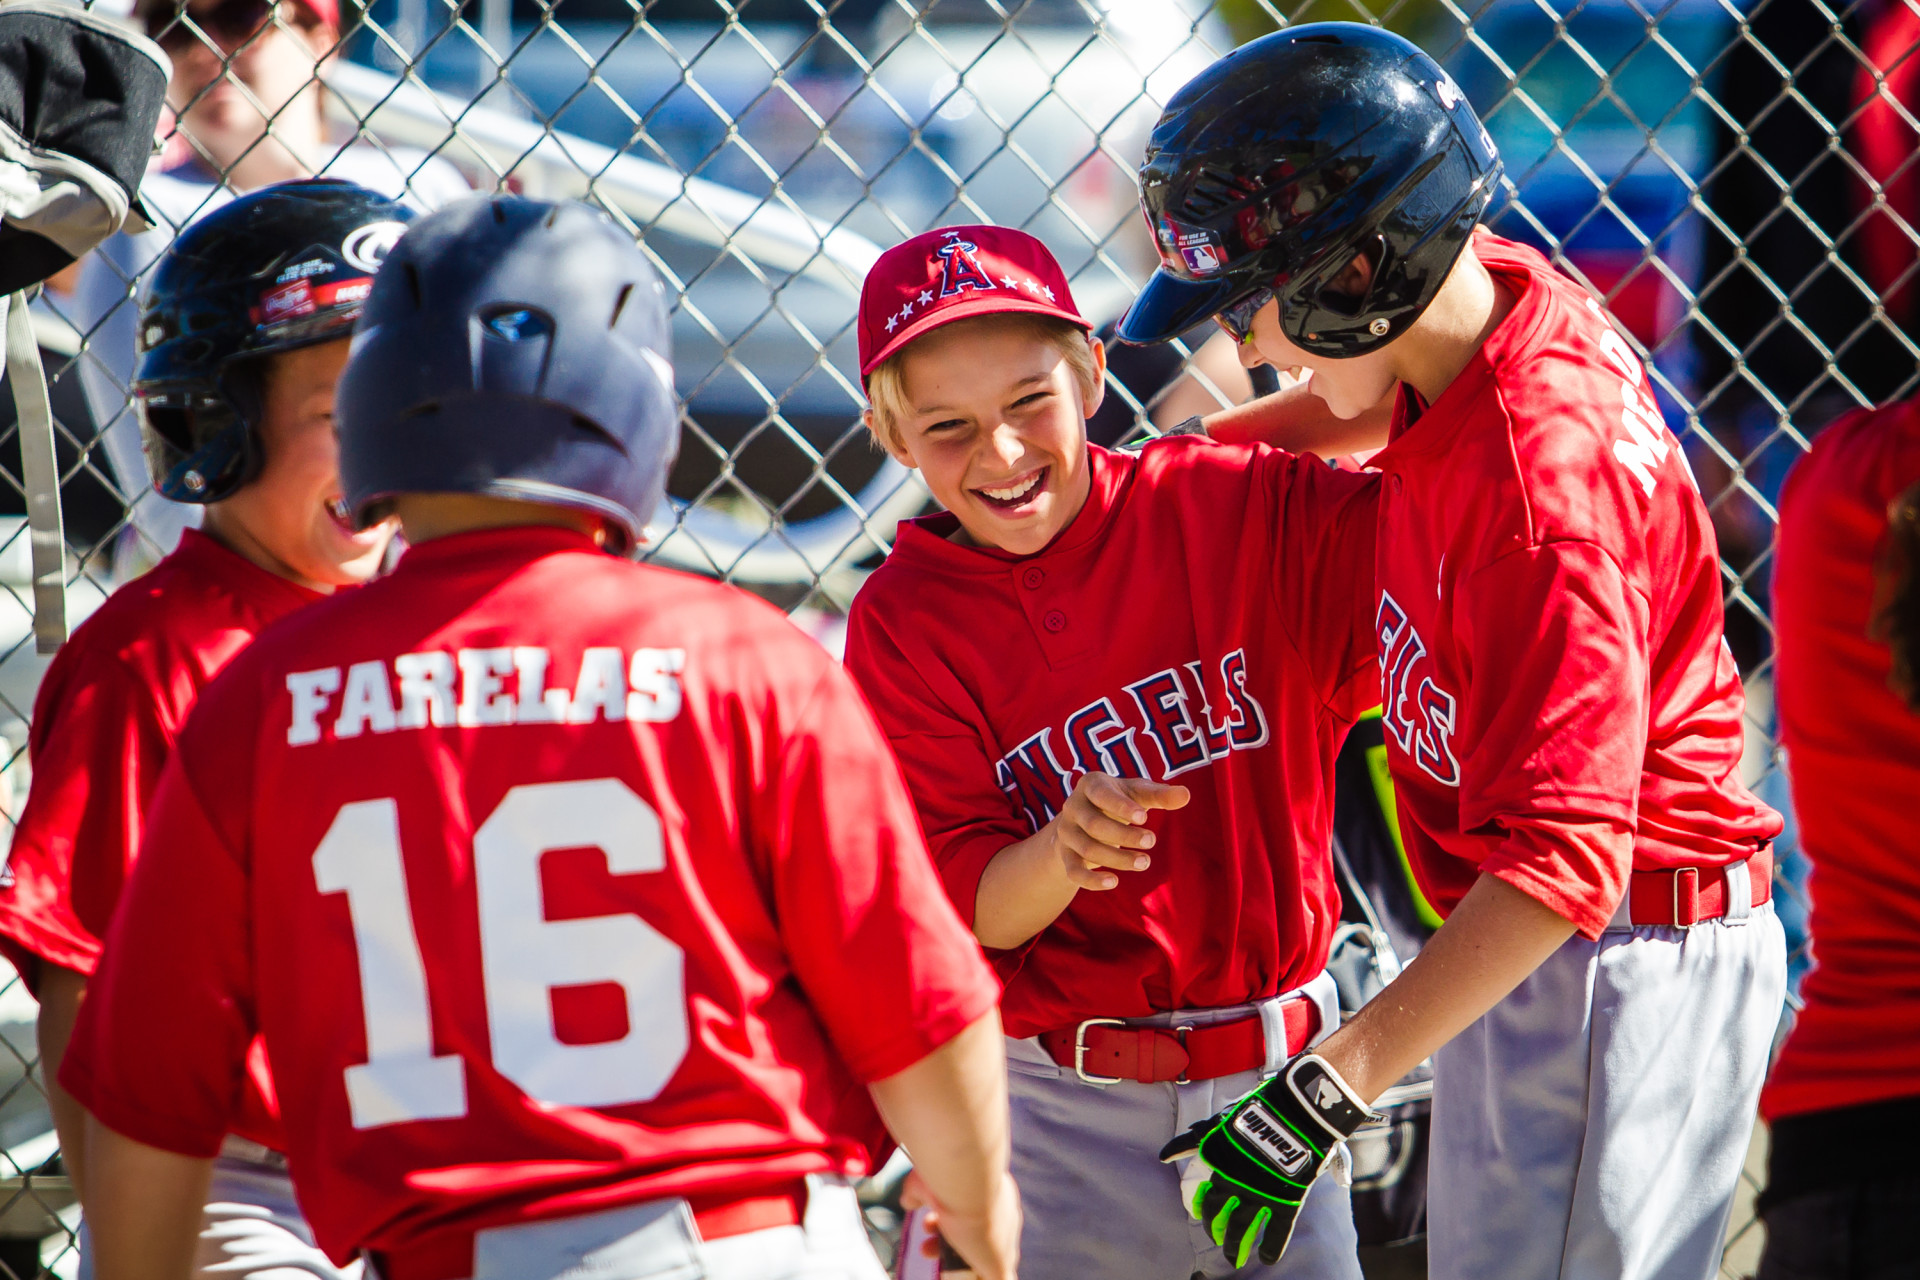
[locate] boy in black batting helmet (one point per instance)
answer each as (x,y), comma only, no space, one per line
(242,337)
(1563,720)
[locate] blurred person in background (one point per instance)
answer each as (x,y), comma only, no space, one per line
(249,111)
(1843,1100)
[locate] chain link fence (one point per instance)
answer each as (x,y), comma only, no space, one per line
(1735,180)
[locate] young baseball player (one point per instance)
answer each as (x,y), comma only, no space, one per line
(579,903)
(243,336)
(1848,1076)
(1563,717)
(1130,809)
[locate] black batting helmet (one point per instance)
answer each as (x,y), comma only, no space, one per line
(280,268)
(518,348)
(1283,161)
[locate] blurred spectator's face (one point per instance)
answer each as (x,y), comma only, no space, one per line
(292,510)
(238,64)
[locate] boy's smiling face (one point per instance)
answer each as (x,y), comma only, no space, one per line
(996,426)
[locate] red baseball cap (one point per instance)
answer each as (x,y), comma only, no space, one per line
(956,273)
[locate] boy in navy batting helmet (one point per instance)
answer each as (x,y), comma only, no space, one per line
(578,903)
(1563,717)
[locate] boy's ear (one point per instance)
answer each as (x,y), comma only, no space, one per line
(1092,404)
(891,443)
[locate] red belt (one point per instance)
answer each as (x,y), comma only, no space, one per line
(1690,895)
(1109,1050)
(718,1215)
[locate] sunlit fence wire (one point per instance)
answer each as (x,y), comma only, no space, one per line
(1728,178)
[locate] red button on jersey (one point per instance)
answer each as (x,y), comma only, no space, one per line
(1033,578)
(554,882)
(1551,651)
(1237,679)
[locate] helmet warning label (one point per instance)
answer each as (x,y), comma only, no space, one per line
(1194,248)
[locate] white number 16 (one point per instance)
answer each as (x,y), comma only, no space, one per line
(523,956)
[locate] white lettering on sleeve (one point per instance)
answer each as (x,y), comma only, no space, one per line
(310,690)
(602,686)
(367,703)
(483,695)
(426,688)
(538,704)
(655,677)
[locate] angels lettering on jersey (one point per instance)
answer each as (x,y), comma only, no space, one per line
(1419,714)
(1158,727)
(471,688)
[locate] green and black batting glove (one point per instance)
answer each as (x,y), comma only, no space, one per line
(1264,1151)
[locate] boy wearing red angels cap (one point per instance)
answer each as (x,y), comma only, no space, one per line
(1128,806)
(1563,717)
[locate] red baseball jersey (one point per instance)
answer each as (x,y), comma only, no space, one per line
(1549,620)
(1853,749)
(1202,621)
(552,881)
(105,721)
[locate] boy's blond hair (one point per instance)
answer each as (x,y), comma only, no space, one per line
(886,385)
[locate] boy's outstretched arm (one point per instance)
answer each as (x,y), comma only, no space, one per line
(143,1207)
(1295,419)
(949,1110)
(1097,834)
(1492,941)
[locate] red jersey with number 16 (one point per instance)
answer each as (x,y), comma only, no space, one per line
(553,882)
(1549,621)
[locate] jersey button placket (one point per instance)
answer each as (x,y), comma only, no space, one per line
(1054,621)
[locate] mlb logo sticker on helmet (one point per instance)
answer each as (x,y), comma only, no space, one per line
(1195,247)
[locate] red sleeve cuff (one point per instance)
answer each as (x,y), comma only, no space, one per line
(1576,870)
(962,861)
(960,1010)
(27,943)
(130,1120)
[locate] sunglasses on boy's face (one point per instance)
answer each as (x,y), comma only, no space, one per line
(1237,319)
(229,23)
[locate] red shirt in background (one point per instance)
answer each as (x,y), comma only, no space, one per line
(1853,750)
(553,883)
(105,721)
(1549,620)
(1202,621)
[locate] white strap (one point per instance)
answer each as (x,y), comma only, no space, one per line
(1739,894)
(40,475)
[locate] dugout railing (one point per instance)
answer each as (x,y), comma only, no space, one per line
(1708,168)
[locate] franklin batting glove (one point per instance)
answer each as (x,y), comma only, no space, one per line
(1264,1151)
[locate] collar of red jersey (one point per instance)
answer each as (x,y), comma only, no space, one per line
(1440,421)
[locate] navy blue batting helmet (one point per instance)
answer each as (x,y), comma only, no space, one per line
(517,348)
(1279,164)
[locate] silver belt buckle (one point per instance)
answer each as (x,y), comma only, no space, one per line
(1080,1049)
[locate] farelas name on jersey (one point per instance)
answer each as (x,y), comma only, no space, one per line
(470,688)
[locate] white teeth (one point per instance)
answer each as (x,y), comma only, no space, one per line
(1018,491)
(338,507)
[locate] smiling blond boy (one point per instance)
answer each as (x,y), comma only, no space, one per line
(1116,684)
